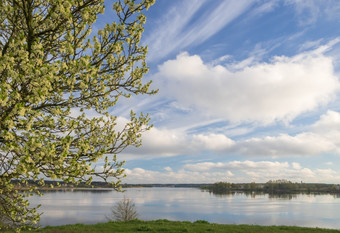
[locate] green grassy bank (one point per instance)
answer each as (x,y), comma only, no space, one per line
(174,226)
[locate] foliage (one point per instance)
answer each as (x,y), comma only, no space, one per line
(124,210)
(201,222)
(53,70)
(175,226)
(272,187)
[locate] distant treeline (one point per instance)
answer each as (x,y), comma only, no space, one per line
(163,185)
(96,184)
(272,187)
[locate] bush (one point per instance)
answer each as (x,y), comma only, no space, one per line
(122,211)
(202,221)
(144,228)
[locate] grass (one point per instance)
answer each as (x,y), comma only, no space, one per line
(173,226)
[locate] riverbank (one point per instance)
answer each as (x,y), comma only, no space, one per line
(273,187)
(176,226)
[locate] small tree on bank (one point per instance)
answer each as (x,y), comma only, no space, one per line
(51,73)
(124,210)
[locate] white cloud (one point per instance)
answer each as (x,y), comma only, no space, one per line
(214,142)
(165,142)
(139,175)
(238,165)
(234,171)
(168,169)
(310,45)
(321,138)
(230,174)
(329,122)
(205,166)
(296,165)
(264,92)
(284,145)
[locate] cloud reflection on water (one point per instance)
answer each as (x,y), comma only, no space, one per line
(190,204)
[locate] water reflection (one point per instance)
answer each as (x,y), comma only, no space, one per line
(284,196)
(190,204)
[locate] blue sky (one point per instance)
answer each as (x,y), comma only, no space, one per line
(248,91)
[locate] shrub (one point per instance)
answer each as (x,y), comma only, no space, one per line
(202,221)
(122,211)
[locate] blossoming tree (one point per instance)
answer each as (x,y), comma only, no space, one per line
(51,67)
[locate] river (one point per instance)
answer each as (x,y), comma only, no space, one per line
(191,204)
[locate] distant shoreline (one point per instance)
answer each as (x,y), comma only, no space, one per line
(271,187)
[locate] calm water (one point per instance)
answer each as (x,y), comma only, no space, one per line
(190,204)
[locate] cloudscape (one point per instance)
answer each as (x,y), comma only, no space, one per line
(248,91)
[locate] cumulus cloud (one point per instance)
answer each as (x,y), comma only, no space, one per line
(262,92)
(238,165)
(320,138)
(205,166)
(169,169)
(255,94)
(304,144)
(215,142)
(329,122)
(139,175)
(234,171)
(164,142)
(296,165)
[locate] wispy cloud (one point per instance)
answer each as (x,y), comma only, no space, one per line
(263,9)
(310,44)
(212,22)
(308,12)
(173,33)
(167,31)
